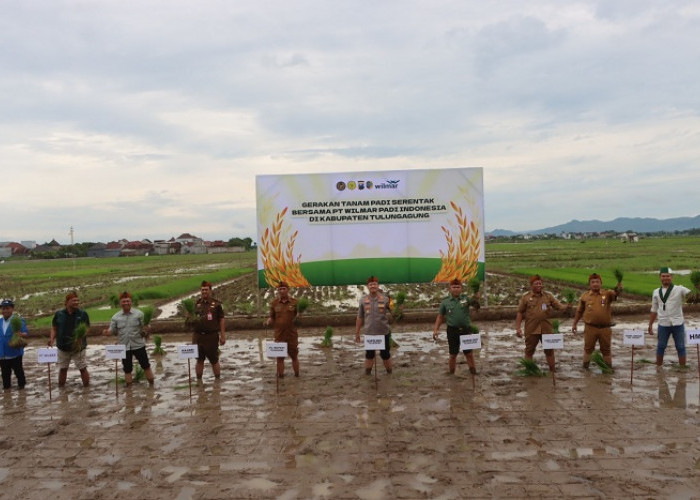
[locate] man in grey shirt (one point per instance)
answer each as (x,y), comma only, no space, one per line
(128,325)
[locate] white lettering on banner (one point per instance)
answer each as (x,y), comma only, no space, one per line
(633,337)
(47,355)
(188,351)
(470,341)
(553,341)
(117,351)
(692,337)
(276,349)
(374,342)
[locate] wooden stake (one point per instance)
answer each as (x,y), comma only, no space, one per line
(376,382)
(189,376)
(48,365)
(632,368)
(116,378)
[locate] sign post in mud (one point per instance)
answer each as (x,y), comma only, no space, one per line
(48,355)
(115,352)
(372,343)
(470,342)
(276,350)
(188,352)
(633,338)
(553,341)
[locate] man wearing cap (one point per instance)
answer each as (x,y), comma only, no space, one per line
(128,325)
(11,356)
(455,312)
(210,330)
(595,307)
(63,327)
(536,308)
(283,312)
(374,314)
(667,306)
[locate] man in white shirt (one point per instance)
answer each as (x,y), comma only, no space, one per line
(667,305)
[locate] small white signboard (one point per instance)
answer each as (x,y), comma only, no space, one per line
(374,342)
(47,355)
(692,337)
(633,337)
(467,342)
(553,341)
(276,349)
(117,351)
(188,351)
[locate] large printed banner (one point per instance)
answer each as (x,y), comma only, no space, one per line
(413,226)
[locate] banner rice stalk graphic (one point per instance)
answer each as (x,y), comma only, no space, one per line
(462,259)
(278,257)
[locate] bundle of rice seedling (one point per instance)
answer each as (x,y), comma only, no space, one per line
(473,329)
(158,349)
(327,337)
(618,275)
(79,333)
(397,306)
(148,312)
(474,285)
(302,305)
(555,326)
(569,296)
(597,358)
(528,368)
(16,341)
(186,307)
(392,343)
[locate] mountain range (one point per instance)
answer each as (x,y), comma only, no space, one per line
(621,224)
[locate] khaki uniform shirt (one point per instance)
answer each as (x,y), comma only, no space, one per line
(283,314)
(209,312)
(536,310)
(596,307)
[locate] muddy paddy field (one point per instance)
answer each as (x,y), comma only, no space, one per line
(337,433)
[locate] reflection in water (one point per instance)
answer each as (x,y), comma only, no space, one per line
(677,400)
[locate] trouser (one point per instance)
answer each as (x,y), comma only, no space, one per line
(12,365)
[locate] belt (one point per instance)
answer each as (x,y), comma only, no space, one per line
(207,333)
(600,326)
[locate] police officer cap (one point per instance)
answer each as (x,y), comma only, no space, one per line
(7,303)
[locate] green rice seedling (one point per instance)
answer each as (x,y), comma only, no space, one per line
(148,312)
(569,296)
(398,303)
(187,307)
(555,325)
(327,337)
(79,333)
(618,275)
(302,305)
(473,329)
(695,280)
(16,341)
(474,285)
(597,358)
(528,368)
(645,361)
(392,343)
(158,349)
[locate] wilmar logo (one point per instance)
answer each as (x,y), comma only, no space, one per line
(362,185)
(387,184)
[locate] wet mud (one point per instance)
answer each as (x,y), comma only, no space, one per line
(336,433)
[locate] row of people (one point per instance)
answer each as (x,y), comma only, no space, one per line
(536,308)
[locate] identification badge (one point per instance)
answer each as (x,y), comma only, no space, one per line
(209,317)
(544,307)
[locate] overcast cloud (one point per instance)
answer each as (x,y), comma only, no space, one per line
(146,119)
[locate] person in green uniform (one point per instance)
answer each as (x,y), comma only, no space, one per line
(454,310)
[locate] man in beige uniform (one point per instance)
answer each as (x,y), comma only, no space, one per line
(595,307)
(536,307)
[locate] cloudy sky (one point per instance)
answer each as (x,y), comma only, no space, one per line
(151,118)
